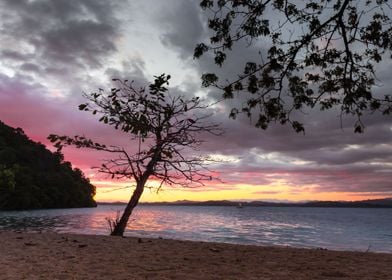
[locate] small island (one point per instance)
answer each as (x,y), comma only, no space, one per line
(32,177)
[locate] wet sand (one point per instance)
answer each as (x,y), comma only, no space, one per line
(63,256)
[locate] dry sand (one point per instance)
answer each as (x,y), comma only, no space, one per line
(57,256)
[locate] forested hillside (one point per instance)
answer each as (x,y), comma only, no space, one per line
(33,177)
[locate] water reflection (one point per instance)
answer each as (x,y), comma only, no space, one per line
(349,229)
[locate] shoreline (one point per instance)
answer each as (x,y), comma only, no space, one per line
(71,256)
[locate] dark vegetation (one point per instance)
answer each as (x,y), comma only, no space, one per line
(32,177)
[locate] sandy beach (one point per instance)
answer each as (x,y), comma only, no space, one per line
(64,256)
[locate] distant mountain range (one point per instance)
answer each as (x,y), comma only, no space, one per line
(371,203)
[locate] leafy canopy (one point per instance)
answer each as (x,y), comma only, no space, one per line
(317,53)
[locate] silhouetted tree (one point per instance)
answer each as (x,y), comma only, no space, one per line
(313,53)
(163,127)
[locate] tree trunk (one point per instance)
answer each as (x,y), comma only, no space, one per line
(119,228)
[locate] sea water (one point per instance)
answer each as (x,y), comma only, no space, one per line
(355,229)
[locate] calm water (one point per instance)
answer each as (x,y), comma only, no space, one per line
(332,228)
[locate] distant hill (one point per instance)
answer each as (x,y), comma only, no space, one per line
(374,203)
(33,177)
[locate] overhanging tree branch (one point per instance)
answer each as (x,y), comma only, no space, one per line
(318,53)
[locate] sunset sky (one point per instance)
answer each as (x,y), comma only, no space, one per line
(53,51)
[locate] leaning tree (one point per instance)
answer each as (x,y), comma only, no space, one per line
(165,129)
(312,53)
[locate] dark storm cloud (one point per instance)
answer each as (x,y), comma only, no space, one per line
(186,35)
(30,67)
(14,55)
(58,33)
(132,70)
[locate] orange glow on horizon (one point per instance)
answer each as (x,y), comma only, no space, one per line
(108,191)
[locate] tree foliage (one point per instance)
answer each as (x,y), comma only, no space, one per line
(32,177)
(314,53)
(163,130)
